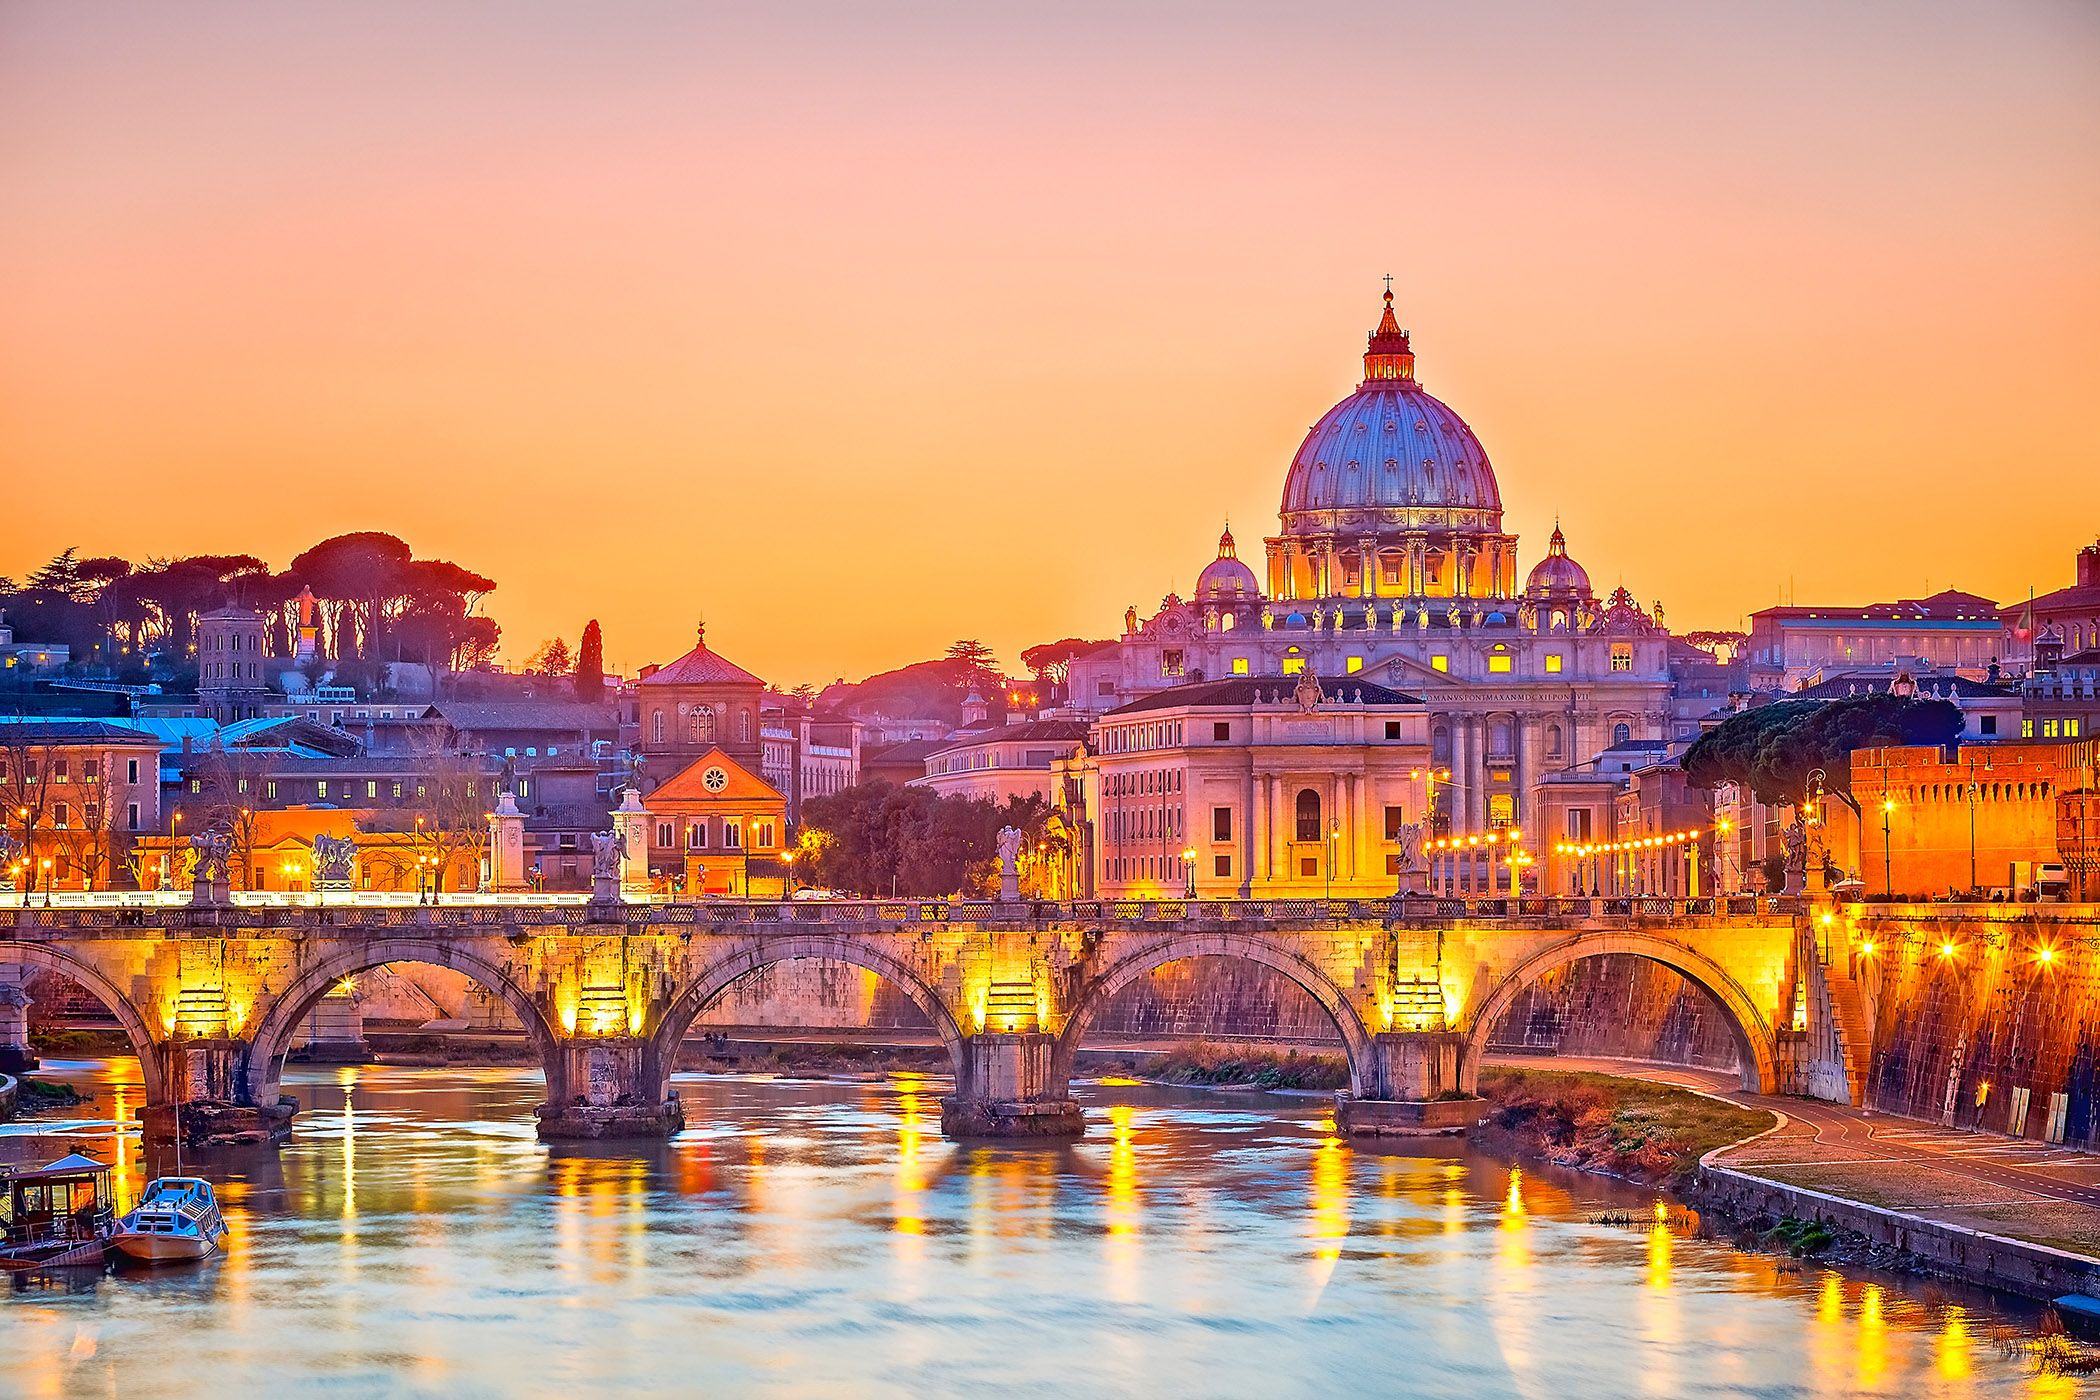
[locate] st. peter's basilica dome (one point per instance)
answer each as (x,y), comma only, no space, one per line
(1390,456)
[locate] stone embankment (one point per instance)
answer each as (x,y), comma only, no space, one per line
(1926,1246)
(9,1098)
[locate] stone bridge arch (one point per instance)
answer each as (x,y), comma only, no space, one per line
(1142,960)
(1757,1048)
(280,1022)
(92,980)
(748,955)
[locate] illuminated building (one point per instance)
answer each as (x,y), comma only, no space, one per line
(1392,565)
(1249,788)
(708,823)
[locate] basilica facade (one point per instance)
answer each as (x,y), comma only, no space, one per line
(1392,566)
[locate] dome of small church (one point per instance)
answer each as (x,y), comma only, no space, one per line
(1556,575)
(1227,579)
(1391,454)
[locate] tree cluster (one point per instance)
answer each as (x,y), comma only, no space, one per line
(1773,750)
(375,603)
(878,839)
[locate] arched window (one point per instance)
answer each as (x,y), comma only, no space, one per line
(1553,741)
(743,726)
(1621,733)
(700,725)
(1308,815)
(658,726)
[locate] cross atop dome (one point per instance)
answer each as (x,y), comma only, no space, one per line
(1389,355)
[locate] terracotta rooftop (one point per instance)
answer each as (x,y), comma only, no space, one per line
(701,667)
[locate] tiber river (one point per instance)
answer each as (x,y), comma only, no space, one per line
(822,1239)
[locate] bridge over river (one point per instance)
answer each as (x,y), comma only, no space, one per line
(212,994)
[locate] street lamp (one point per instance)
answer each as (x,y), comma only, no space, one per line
(787,874)
(1334,843)
(1188,872)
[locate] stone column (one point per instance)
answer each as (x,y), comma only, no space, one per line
(614,1090)
(15,1054)
(631,825)
(507,845)
(1279,830)
(1400,1088)
(1006,1090)
(205,1083)
(335,1029)
(1252,829)
(1367,557)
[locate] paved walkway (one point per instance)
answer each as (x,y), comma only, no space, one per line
(2009,1186)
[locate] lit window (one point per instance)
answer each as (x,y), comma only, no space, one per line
(1294,665)
(1553,663)
(2071,728)
(1439,663)
(1622,656)
(1239,665)
(1355,664)
(1499,661)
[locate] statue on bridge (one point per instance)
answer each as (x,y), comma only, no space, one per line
(209,853)
(1010,839)
(1796,857)
(1408,836)
(333,857)
(605,865)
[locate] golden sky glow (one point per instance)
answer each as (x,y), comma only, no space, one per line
(860,328)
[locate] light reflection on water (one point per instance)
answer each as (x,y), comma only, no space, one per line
(819,1237)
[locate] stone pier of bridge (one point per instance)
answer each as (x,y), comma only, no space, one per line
(213,996)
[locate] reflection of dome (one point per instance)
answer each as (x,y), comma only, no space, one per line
(1556,575)
(1391,455)
(1225,579)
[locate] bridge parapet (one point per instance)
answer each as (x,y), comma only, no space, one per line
(757,916)
(213,995)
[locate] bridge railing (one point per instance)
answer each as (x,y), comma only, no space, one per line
(354,908)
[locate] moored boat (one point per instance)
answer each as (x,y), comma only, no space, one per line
(177,1219)
(56,1216)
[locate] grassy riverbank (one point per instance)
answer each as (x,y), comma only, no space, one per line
(1650,1133)
(1211,1065)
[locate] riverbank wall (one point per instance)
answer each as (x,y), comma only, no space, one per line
(1969,1256)
(1981,1016)
(10,1098)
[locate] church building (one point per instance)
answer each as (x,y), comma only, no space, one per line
(1392,567)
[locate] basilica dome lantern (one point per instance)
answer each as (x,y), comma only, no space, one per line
(1391,495)
(1227,592)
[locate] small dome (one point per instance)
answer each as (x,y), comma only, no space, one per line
(1226,579)
(1556,575)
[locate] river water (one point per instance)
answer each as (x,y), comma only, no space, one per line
(821,1238)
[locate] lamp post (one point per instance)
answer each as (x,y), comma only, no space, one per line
(1188,872)
(787,874)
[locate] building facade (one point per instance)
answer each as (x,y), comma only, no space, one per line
(715,827)
(1248,788)
(1950,631)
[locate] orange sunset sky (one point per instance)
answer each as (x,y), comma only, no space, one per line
(860,328)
